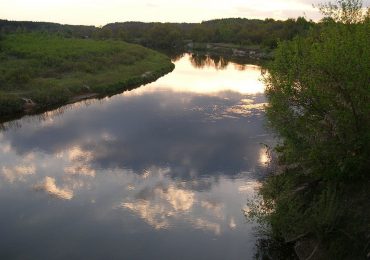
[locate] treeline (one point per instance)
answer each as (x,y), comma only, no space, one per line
(76,31)
(239,31)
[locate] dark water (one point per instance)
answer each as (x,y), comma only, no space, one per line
(161,172)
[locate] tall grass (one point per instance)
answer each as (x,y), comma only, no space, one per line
(51,69)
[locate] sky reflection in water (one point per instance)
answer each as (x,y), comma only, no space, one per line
(163,171)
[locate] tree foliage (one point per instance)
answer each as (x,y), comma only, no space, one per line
(344,11)
(239,31)
(318,89)
(319,92)
(231,30)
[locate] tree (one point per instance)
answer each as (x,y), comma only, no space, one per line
(105,33)
(318,88)
(122,34)
(343,11)
(163,36)
(201,33)
(320,84)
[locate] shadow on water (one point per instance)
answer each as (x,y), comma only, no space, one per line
(273,249)
(214,59)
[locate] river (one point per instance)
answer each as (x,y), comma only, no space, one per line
(160,172)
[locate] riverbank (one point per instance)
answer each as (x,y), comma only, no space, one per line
(41,71)
(254,52)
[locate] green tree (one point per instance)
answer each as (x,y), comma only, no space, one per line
(201,33)
(318,89)
(343,11)
(163,36)
(122,34)
(105,33)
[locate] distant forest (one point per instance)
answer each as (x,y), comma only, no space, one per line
(239,31)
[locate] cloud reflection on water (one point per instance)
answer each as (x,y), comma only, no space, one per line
(181,154)
(165,203)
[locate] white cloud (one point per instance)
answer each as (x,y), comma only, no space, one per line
(207,225)
(18,173)
(155,215)
(180,200)
(48,185)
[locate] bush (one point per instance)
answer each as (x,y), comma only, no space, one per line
(318,89)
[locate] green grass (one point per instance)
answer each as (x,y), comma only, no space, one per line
(51,70)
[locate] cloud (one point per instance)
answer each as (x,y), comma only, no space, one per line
(207,225)
(181,200)
(79,169)
(154,214)
(232,223)
(49,186)
(160,206)
(217,209)
(249,187)
(80,162)
(18,172)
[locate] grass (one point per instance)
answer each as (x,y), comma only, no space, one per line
(51,70)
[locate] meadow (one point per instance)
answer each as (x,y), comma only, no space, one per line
(41,70)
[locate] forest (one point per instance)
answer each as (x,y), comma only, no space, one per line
(239,31)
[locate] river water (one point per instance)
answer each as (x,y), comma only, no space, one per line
(160,172)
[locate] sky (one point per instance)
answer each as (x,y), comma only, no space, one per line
(101,12)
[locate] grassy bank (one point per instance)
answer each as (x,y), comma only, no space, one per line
(39,70)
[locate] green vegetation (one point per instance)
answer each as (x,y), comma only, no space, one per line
(237,31)
(318,89)
(76,31)
(50,70)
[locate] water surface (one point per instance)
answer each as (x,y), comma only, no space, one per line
(160,172)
